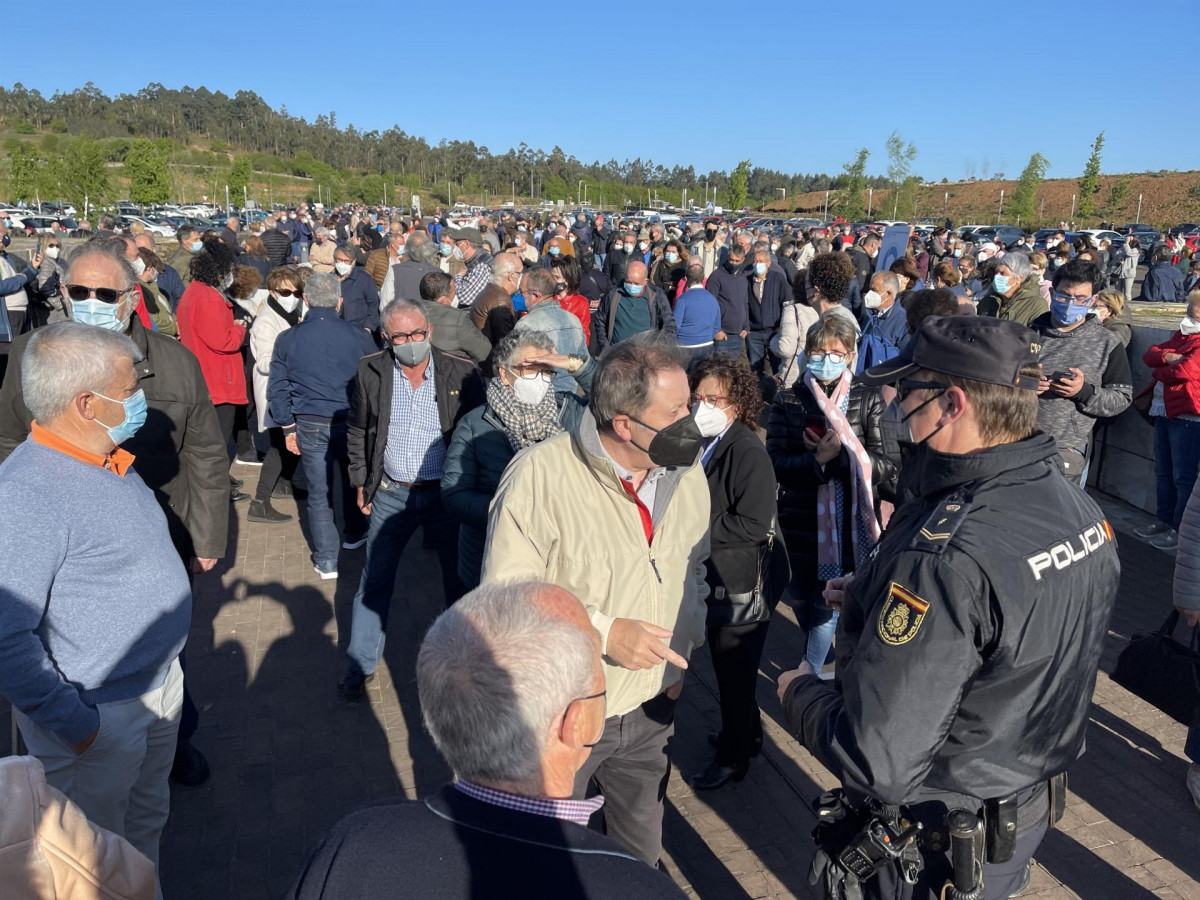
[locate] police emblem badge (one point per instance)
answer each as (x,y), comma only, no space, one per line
(901,616)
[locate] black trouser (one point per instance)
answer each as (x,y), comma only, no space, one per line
(279,462)
(736,652)
(227,419)
(16,322)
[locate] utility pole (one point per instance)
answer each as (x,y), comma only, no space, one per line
(531,185)
(826,213)
(226,199)
(1138,218)
(514,190)
(945,203)
(1071,217)
(870,200)
(1042,208)
(1000,211)
(895,204)
(578,190)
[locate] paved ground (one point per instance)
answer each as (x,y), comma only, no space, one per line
(289,757)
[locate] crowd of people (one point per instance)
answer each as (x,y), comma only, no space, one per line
(621,442)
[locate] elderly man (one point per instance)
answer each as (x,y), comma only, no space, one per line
(180,452)
(767,291)
(623,251)
(547,315)
(320,254)
(407,401)
(468,247)
(380,260)
(188,238)
(229,234)
(863,255)
(453,331)
(507,824)
(277,240)
(732,290)
(308,395)
(95,614)
(634,307)
(360,300)
(1014,293)
(617,512)
(886,328)
(601,235)
(403,279)
(492,312)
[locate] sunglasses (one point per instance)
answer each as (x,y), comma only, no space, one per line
(80,292)
(284,292)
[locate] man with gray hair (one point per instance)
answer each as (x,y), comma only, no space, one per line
(492,312)
(512,692)
(467,244)
(95,614)
(617,512)
(403,279)
(546,315)
(407,401)
(886,328)
(1014,293)
(308,393)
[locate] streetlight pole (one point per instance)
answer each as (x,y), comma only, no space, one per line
(578,190)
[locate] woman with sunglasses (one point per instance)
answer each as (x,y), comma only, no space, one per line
(825,442)
(522,409)
(746,569)
(50,302)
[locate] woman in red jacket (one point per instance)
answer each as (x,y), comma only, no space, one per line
(1175,407)
(567,274)
(207,328)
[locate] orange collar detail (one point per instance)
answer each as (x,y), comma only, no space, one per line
(118,461)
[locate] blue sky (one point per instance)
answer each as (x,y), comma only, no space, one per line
(799,89)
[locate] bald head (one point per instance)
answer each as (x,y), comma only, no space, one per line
(145,239)
(635,273)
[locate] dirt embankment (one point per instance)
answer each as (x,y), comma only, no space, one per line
(1166,201)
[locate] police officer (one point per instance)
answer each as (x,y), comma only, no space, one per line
(968,646)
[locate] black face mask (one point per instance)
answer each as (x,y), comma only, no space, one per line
(710,236)
(5,241)
(676,445)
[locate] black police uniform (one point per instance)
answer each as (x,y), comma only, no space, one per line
(967,651)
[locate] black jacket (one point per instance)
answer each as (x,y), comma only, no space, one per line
(742,488)
(765,316)
(600,238)
(278,244)
(661,318)
(968,647)
(460,848)
(459,390)
(732,290)
(594,284)
(799,475)
(180,452)
(616,261)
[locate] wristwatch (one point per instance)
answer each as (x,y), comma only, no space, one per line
(573,364)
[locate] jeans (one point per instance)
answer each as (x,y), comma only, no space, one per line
(600,258)
(323,456)
(1176,457)
(733,344)
(120,782)
(396,513)
(691,355)
(819,621)
(758,350)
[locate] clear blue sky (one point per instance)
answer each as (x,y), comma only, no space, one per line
(796,89)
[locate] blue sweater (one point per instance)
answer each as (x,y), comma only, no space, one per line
(94,601)
(313,367)
(697,317)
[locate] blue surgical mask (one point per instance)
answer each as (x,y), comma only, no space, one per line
(196,246)
(445,249)
(760,268)
(135,417)
(1064,312)
(1000,284)
(98,313)
(634,290)
(554,251)
(826,369)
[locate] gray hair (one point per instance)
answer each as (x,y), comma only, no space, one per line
(1017,263)
(421,249)
(508,346)
(322,290)
(67,358)
(505,265)
(891,279)
(622,383)
(401,307)
(831,328)
(493,672)
(824,245)
(109,249)
(321,229)
(395,239)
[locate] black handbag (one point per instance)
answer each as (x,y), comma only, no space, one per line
(1162,671)
(757,604)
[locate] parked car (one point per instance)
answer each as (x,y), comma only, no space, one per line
(1003,235)
(163,230)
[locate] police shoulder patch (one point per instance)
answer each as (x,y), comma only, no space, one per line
(942,524)
(901,616)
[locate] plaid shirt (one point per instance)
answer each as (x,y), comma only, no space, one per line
(415,449)
(577,811)
(470,282)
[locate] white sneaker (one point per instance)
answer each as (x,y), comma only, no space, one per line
(1193,784)
(1168,540)
(325,576)
(1149,531)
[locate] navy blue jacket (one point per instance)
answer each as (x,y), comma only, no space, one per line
(765,316)
(732,290)
(1163,284)
(881,338)
(360,300)
(171,285)
(314,366)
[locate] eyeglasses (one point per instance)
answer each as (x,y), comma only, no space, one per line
(1064,297)
(710,399)
(284,292)
(80,292)
(603,694)
(402,338)
(906,386)
(831,356)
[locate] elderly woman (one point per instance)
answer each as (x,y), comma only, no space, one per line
(1110,309)
(824,439)
(1175,409)
(1014,293)
(207,328)
(283,309)
(669,270)
(320,254)
(522,409)
(795,320)
(747,569)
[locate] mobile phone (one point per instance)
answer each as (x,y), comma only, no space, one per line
(818,424)
(1060,376)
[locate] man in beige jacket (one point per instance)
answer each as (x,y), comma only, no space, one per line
(617,513)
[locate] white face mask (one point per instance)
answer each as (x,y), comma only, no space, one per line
(288,304)
(343,268)
(1189,325)
(530,389)
(872,300)
(710,419)
(52,252)
(643,245)
(138,266)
